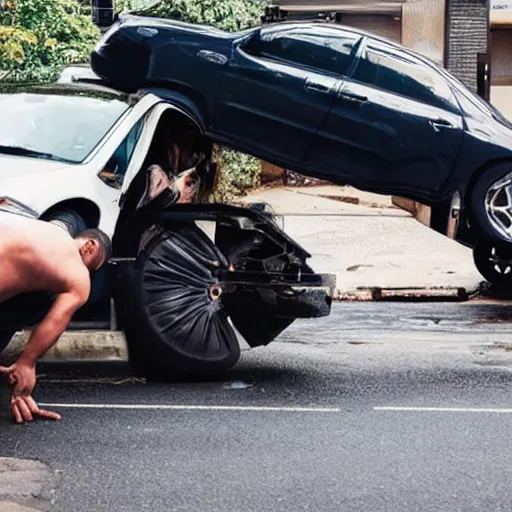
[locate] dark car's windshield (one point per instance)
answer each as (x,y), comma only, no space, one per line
(59,125)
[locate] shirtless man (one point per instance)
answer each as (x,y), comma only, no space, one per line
(39,256)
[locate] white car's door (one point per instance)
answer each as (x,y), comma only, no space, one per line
(112,160)
(144,143)
(112,175)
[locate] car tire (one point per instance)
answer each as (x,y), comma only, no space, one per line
(170,308)
(494,262)
(67,219)
(482,204)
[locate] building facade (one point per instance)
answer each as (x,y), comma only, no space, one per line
(501,55)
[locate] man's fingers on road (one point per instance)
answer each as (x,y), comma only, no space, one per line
(6,370)
(42,413)
(24,409)
(16,413)
(48,415)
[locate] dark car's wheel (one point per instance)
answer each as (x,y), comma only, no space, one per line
(491,203)
(494,262)
(70,220)
(171,310)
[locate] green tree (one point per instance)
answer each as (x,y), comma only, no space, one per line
(39,37)
(231,15)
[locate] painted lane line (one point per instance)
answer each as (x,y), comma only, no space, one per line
(444,409)
(191,407)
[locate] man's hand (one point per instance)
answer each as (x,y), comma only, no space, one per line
(21,377)
(24,408)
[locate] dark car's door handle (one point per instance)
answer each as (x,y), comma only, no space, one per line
(317,87)
(437,124)
(352,98)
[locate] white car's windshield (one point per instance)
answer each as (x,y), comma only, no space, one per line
(60,124)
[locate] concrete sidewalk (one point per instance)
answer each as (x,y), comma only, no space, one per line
(375,249)
(25,485)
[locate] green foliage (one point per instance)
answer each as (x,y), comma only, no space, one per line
(39,37)
(229,15)
(238,172)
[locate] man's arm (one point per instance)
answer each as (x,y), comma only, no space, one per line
(52,327)
(22,375)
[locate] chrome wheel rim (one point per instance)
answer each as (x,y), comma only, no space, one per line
(498,205)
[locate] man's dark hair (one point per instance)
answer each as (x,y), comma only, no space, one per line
(102,238)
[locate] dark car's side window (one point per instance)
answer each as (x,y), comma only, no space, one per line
(332,52)
(406,77)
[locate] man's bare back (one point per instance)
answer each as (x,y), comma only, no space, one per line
(38,256)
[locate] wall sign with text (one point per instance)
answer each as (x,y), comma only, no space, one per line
(501,12)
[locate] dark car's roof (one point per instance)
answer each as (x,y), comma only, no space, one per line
(134,20)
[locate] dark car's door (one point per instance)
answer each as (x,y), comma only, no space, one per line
(279,86)
(394,125)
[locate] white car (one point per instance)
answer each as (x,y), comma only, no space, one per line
(69,149)
(191,284)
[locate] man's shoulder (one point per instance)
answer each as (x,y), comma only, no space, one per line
(77,278)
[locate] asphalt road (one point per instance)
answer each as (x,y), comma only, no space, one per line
(380,407)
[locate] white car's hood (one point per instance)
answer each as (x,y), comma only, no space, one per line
(14,166)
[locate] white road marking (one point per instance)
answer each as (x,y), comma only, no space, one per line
(444,409)
(163,407)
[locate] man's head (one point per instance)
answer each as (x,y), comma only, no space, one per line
(95,248)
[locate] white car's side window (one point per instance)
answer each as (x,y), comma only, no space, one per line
(114,171)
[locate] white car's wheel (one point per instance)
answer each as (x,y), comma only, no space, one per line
(67,219)
(171,308)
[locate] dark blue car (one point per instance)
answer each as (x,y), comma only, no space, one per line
(336,103)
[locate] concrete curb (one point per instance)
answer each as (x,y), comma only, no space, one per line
(75,346)
(431,294)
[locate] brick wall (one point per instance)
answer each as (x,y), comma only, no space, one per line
(467,26)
